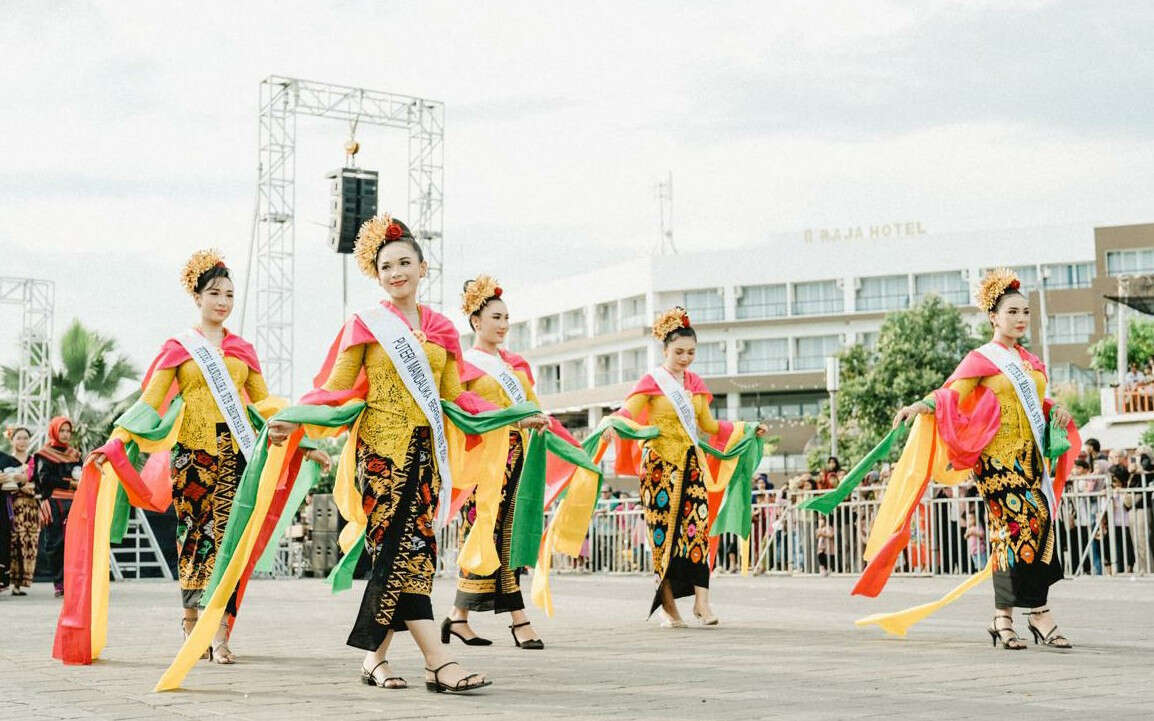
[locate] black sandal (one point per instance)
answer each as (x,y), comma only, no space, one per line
(447,630)
(369,679)
(1011,643)
(437,686)
(1053,639)
(533,644)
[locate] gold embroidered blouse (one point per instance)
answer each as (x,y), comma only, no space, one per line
(674,442)
(391,414)
(201,414)
(1014,434)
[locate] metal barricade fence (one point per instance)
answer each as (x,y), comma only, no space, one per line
(1100,530)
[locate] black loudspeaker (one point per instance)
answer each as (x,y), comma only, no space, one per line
(352,201)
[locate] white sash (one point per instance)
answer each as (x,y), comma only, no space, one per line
(1010,364)
(680,398)
(224,391)
(495,367)
(413,366)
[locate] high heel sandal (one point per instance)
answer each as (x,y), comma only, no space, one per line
(447,630)
(706,620)
(1013,642)
(219,651)
(533,644)
(369,679)
(188,632)
(437,686)
(1053,639)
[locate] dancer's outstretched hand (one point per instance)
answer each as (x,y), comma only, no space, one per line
(279,431)
(910,411)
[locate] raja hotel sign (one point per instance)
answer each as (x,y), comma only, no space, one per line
(861,232)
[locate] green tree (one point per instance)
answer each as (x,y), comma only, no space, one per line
(1139,347)
(917,350)
(86,383)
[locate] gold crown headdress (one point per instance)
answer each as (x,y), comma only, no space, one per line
(669,321)
(995,283)
(374,233)
(478,292)
(201,261)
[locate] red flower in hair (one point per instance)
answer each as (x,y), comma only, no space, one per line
(393,232)
(685,321)
(497,291)
(1015,284)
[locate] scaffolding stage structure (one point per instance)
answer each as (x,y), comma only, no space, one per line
(271,275)
(37,299)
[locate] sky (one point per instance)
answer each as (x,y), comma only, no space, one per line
(129,134)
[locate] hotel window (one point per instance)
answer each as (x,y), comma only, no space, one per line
(756,406)
(634,364)
(764,355)
(1127,262)
(608,370)
(762,301)
(1070,327)
(606,318)
(549,378)
(1064,276)
(633,313)
(705,305)
(710,359)
(548,330)
(1028,274)
(518,338)
(869,339)
(815,298)
(813,350)
(886,292)
(950,286)
(573,375)
(574,323)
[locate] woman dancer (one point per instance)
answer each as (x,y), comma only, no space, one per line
(56,470)
(390,356)
(502,378)
(993,422)
(215,439)
(673,479)
(19,507)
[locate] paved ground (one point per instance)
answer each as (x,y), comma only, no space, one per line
(787,649)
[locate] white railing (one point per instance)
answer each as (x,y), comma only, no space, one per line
(1100,531)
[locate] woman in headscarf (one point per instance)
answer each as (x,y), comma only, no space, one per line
(56,472)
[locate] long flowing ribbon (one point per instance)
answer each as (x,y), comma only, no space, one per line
(826,502)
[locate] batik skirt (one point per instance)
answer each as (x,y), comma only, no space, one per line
(25,539)
(1022,536)
(400,503)
(203,488)
(677,516)
(499,591)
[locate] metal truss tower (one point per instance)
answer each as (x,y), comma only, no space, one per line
(34,382)
(281,101)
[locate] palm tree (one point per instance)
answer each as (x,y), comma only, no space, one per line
(86,383)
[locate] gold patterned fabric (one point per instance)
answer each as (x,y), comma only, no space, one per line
(673,441)
(399,540)
(677,517)
(1009,476)
(391,413)
(201,414)
(499,591)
